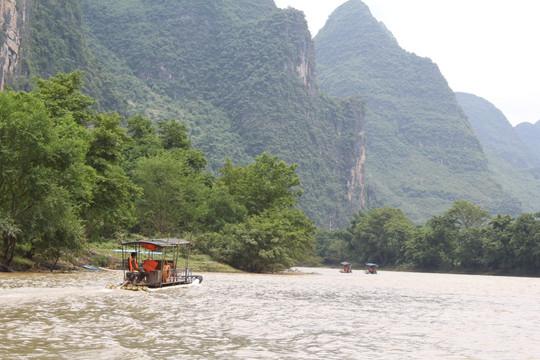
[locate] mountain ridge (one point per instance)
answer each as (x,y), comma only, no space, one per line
(415,129)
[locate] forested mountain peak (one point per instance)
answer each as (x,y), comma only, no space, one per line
(421,152)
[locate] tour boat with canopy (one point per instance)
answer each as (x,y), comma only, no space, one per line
(371,268)
(159,268)
(347,267)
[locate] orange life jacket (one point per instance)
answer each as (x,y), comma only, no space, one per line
(133,266)
(166,274)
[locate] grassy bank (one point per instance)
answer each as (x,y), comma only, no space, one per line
(105,256)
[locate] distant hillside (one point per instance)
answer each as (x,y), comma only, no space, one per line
(421,152)
(497,134)
(241,75)
(530,133)
(512,161)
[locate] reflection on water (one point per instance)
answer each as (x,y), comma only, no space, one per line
(320,315)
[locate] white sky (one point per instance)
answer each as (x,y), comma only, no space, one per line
(489,48)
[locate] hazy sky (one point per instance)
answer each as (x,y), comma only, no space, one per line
(489,48)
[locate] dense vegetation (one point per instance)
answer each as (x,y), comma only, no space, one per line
(71,175)
(464,239)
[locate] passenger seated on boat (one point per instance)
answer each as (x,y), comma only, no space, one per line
(133,266)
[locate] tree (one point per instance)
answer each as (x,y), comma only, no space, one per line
(40,160)
(469,220)
(267,183)
(423,249)
(525,242)
(173,194)
(58,228)
(333,246)
(173,135)
(111,206)
(271,241)
(466,215)
(272,234)
(442,234)
(497,251)
(62,96)
(381,236)
(221,209)
(144,141)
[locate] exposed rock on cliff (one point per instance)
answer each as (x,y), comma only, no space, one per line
(12,18)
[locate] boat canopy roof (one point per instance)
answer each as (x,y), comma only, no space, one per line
(153,244)
(345,263)
(372,264)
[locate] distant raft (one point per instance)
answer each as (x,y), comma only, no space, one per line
(88,267)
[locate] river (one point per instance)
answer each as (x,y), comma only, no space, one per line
(318,313)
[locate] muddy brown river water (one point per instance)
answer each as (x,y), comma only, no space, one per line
(321,314)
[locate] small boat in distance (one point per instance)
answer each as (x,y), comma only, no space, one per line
(159,269)
(347,267)
(371,268)
(90,267)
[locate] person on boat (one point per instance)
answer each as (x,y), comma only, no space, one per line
(133,266)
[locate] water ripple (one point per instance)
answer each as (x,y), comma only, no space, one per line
(321,315)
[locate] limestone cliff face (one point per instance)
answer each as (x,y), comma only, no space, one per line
(12,18)
(302,59)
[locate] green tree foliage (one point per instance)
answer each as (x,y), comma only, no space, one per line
(173,194)
(434,246)
(222,209)
(271,241)
(173,135)
(497,250)
(525,242)
(469,220)
(62,96)
(111,206)
(70,174)
(381,236)
(423,249)
(333,247)
(273,234)
(42,169)
(144,140)
(266,184)
(59,229)
(464,239)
